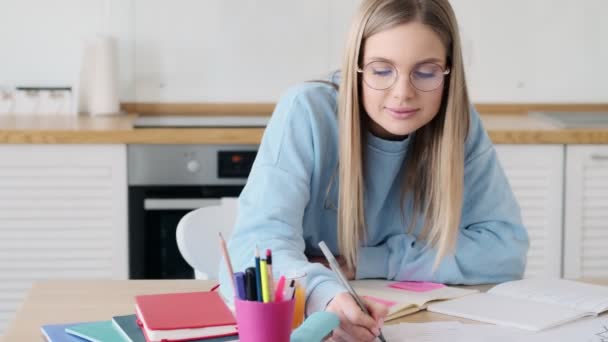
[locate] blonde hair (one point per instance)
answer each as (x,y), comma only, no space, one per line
(434,167)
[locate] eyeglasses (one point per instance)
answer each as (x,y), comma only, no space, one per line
(383,75)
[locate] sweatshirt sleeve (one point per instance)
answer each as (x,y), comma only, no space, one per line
(274,200)
(492,242)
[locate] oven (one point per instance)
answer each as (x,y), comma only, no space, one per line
(165,183)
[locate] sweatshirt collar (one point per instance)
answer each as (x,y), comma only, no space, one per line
(388,146)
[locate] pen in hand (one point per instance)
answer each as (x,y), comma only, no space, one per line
(333,264)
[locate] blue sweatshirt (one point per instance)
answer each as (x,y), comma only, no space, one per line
(288,206)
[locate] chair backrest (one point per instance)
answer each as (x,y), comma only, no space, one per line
(197,236)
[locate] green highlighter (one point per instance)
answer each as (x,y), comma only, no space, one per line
(316,327)
(96,332)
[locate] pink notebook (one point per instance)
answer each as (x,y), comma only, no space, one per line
(184,316)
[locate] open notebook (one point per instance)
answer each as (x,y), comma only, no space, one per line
(531,304)
(404,298)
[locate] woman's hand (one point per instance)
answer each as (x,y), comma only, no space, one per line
(355,325)
(349,273)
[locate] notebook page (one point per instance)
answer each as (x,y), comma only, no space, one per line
(585,330)
(422,332)
(567,293)
(508,311)
(380,289)
(450,332)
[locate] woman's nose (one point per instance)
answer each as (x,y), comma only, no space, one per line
(403,88)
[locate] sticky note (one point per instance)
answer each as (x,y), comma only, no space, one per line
(388,303)
(416,286)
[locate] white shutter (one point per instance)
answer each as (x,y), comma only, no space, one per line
(586,245)
(535,173)
(62,215)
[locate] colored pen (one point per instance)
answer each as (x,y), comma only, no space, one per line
(250,284)
(264,277)
(228,262)
(289,291)
(270,275)
(258,275)
(333,264)
(278,296)
(239,278)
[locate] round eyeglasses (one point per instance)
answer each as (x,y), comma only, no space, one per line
(381,75)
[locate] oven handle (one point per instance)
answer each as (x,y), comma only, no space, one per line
(180,203)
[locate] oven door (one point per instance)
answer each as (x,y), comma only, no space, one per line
(154,212)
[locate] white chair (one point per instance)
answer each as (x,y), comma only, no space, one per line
(197,236)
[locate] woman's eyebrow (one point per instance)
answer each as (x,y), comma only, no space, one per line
(425,60)
(430,60)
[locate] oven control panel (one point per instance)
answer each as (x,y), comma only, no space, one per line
(190,165)
(234,164)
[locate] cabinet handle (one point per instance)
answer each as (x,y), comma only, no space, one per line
(179,203)
(599,157)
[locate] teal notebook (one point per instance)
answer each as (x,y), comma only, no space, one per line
(96,332)
(131,332)
(127,326)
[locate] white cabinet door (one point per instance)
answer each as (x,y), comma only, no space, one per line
(535,173)
(62,215)
(586,221)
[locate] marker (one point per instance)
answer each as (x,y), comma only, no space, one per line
(278,296)
(239,278)
(251,284)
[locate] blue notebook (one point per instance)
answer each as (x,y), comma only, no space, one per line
(56,333)
(130,331)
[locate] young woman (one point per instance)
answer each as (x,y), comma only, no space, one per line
(392,169)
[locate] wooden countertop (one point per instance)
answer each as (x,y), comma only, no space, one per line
(502,129)
(66,301)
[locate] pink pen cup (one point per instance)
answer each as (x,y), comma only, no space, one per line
(264,322)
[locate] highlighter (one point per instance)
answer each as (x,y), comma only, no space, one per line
(264,278)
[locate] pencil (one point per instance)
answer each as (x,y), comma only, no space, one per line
(333,264)
(270,276)
(228,262)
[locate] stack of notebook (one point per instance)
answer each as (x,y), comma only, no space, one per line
(193,316)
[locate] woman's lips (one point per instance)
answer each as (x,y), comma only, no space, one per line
(402,112)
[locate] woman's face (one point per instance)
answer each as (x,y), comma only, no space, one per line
(401,109)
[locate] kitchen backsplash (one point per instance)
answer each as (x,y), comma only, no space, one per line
(251,51)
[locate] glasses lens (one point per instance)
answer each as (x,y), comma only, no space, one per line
(427,76)
(379,75)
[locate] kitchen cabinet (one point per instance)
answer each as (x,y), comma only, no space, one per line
(586,214)
(63,214)
(536,175)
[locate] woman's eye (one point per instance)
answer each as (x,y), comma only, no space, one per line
(422,74)
(384,73)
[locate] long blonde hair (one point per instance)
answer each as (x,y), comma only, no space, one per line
(434,167)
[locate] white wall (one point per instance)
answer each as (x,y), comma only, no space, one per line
(246,50)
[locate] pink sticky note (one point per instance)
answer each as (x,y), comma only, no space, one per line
(380,300)
(416,286)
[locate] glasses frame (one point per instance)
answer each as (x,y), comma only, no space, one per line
(444,71)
